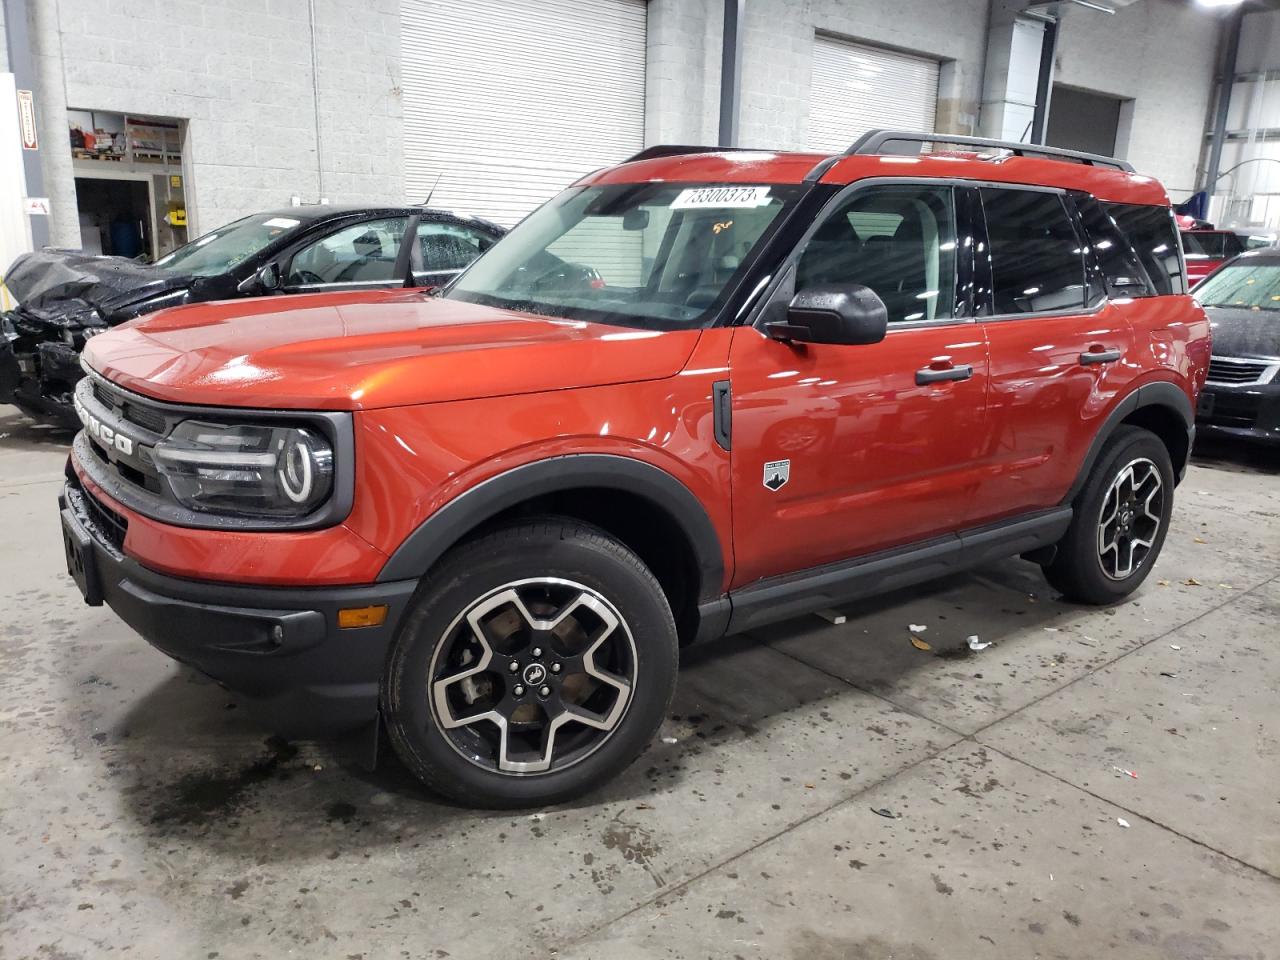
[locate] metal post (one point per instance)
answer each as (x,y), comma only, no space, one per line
(730,71)
(24,75)
(51,120)
(1230,50)
(1044,83)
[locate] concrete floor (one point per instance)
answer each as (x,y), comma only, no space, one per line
(141,813)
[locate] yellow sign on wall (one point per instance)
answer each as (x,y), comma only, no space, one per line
(175,181)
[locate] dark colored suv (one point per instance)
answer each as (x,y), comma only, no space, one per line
(693,393)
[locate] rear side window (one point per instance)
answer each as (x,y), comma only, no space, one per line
(1037,262)
(1154,237)
(1118,272)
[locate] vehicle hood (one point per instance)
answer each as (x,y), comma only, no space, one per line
(66,289)
(366,350)
(1241,332)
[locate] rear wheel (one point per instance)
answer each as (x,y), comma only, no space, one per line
(535,665)
(1121,518)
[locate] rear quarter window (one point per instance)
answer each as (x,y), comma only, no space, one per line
(1154,237)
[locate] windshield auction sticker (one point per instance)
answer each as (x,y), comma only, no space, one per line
(720,198)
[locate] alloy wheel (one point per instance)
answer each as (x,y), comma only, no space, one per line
(1130,518)
(533,676)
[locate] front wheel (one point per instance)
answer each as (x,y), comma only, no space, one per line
(1121,518)
(536,663)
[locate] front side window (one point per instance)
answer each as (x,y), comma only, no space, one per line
(229,246)
(1253,286)
(898,240)
(662,256)
(1037,262)
(1154,236)
(449,246)
(364,252)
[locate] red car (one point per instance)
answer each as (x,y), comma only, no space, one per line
(694,393)
(1207,249)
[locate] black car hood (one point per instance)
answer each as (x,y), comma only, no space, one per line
(64,288)
(1241,332)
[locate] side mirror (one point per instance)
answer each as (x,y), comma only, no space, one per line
(269,277)
(833,313)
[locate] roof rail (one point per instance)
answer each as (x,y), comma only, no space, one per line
(675,150)
(873,141)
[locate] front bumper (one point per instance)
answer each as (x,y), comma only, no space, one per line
(10,371)
(1244,411)
(279,647)
(39,382)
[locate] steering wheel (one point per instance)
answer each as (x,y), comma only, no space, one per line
(307,276)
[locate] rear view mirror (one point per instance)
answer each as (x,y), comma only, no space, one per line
(637,218)
(269,277)
(833,313)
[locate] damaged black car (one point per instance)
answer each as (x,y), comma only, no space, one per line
(64,298)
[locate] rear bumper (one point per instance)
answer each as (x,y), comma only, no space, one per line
(1244,412)
(279,647)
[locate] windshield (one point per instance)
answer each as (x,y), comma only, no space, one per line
(1218,246)
(223,249)
(1255,286)
(653,255)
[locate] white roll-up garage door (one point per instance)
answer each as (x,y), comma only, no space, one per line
(857,88)
(509,101)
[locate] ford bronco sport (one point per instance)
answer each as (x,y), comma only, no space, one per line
(695,392)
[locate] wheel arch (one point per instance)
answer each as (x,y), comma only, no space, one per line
(1161,407)
(650,511)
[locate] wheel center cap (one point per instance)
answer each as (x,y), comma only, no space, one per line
(1126,518)
(534,674)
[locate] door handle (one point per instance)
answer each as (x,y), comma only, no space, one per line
(931,375)
(1100,356)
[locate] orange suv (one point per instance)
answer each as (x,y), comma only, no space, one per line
(696,392)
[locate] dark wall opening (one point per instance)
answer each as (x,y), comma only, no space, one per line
(115,216)
(1080,120)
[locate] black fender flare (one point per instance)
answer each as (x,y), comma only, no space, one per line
(1161,393)
(448,525)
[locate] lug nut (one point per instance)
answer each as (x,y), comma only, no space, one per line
(513,666)
(536,651)
(555,668)
(518,691)
(545,692)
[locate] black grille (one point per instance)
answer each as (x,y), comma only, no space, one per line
(1227,370)
(134,413)
(109,526)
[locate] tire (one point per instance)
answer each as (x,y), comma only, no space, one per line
(611,657)
(1087,567)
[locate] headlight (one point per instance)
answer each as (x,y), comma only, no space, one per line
(252,470)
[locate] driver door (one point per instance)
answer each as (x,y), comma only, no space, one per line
(840,451)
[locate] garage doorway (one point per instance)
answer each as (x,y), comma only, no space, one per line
(856,88)
(508,102)
(115,216)
(1083,120)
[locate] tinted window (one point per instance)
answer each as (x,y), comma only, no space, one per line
(1037,262)
(899,241)
(1118,272)
(449,246)
(1154,237)
(1216,246)
(361,253)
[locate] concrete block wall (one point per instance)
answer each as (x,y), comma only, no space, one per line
(1161,54)
(240,73)
(4,44)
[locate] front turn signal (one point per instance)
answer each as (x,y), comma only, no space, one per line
(353,617)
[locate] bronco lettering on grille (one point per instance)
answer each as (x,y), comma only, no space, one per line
(107,436)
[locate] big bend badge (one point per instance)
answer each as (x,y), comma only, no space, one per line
(776,474)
